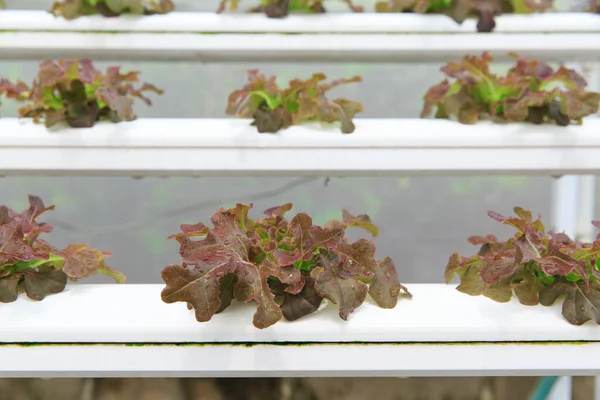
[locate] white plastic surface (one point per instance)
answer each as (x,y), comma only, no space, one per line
(197,147)
(318,360)
(413,339)
(207,22)
(282,47)
(333,37)
(136,314)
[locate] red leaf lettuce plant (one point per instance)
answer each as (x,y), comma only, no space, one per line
(75,92)
(536,266)
(459,10)
(30,264)
(70,9)
(303,100)
(286,266)
(281,8)
(531,91)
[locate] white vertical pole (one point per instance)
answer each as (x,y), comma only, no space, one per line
(565,196)
(585,231)
(565,204)
(587,186)
(572,208)
(587,207)
(573,196)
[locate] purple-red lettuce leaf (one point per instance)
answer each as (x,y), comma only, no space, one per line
(231,247)
(295,306)
(385,286)
(285,266)
(539,267)
(73,91)
(360,221)
(70,9)
(580,304)
(43,281)
(281,8)
(348,293)
(9,288)
(273,108)
(532,91)
(33,265)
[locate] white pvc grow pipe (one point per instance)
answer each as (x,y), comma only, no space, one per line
(326,38)
(439,332)
(233,147)
(293,48)
(209,22)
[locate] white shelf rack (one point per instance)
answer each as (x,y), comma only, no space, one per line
(112,330)
(200,147)
(319,38)
(126,330)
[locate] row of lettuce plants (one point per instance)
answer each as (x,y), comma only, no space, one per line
(76,93)
(289,266)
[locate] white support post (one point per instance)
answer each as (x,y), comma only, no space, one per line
(587,201)
(566,201)
(585,231)
(574,196)
(587,186)
(573,209)
(565,204)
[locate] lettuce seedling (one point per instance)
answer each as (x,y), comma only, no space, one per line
(416,6)
(70,9)
(528,6)
(531,91)
(487,10)
(536,266)
(459,10)
(32,265)
(484,10)
(75,92)
(304,100)
(286,266)
(281,8)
